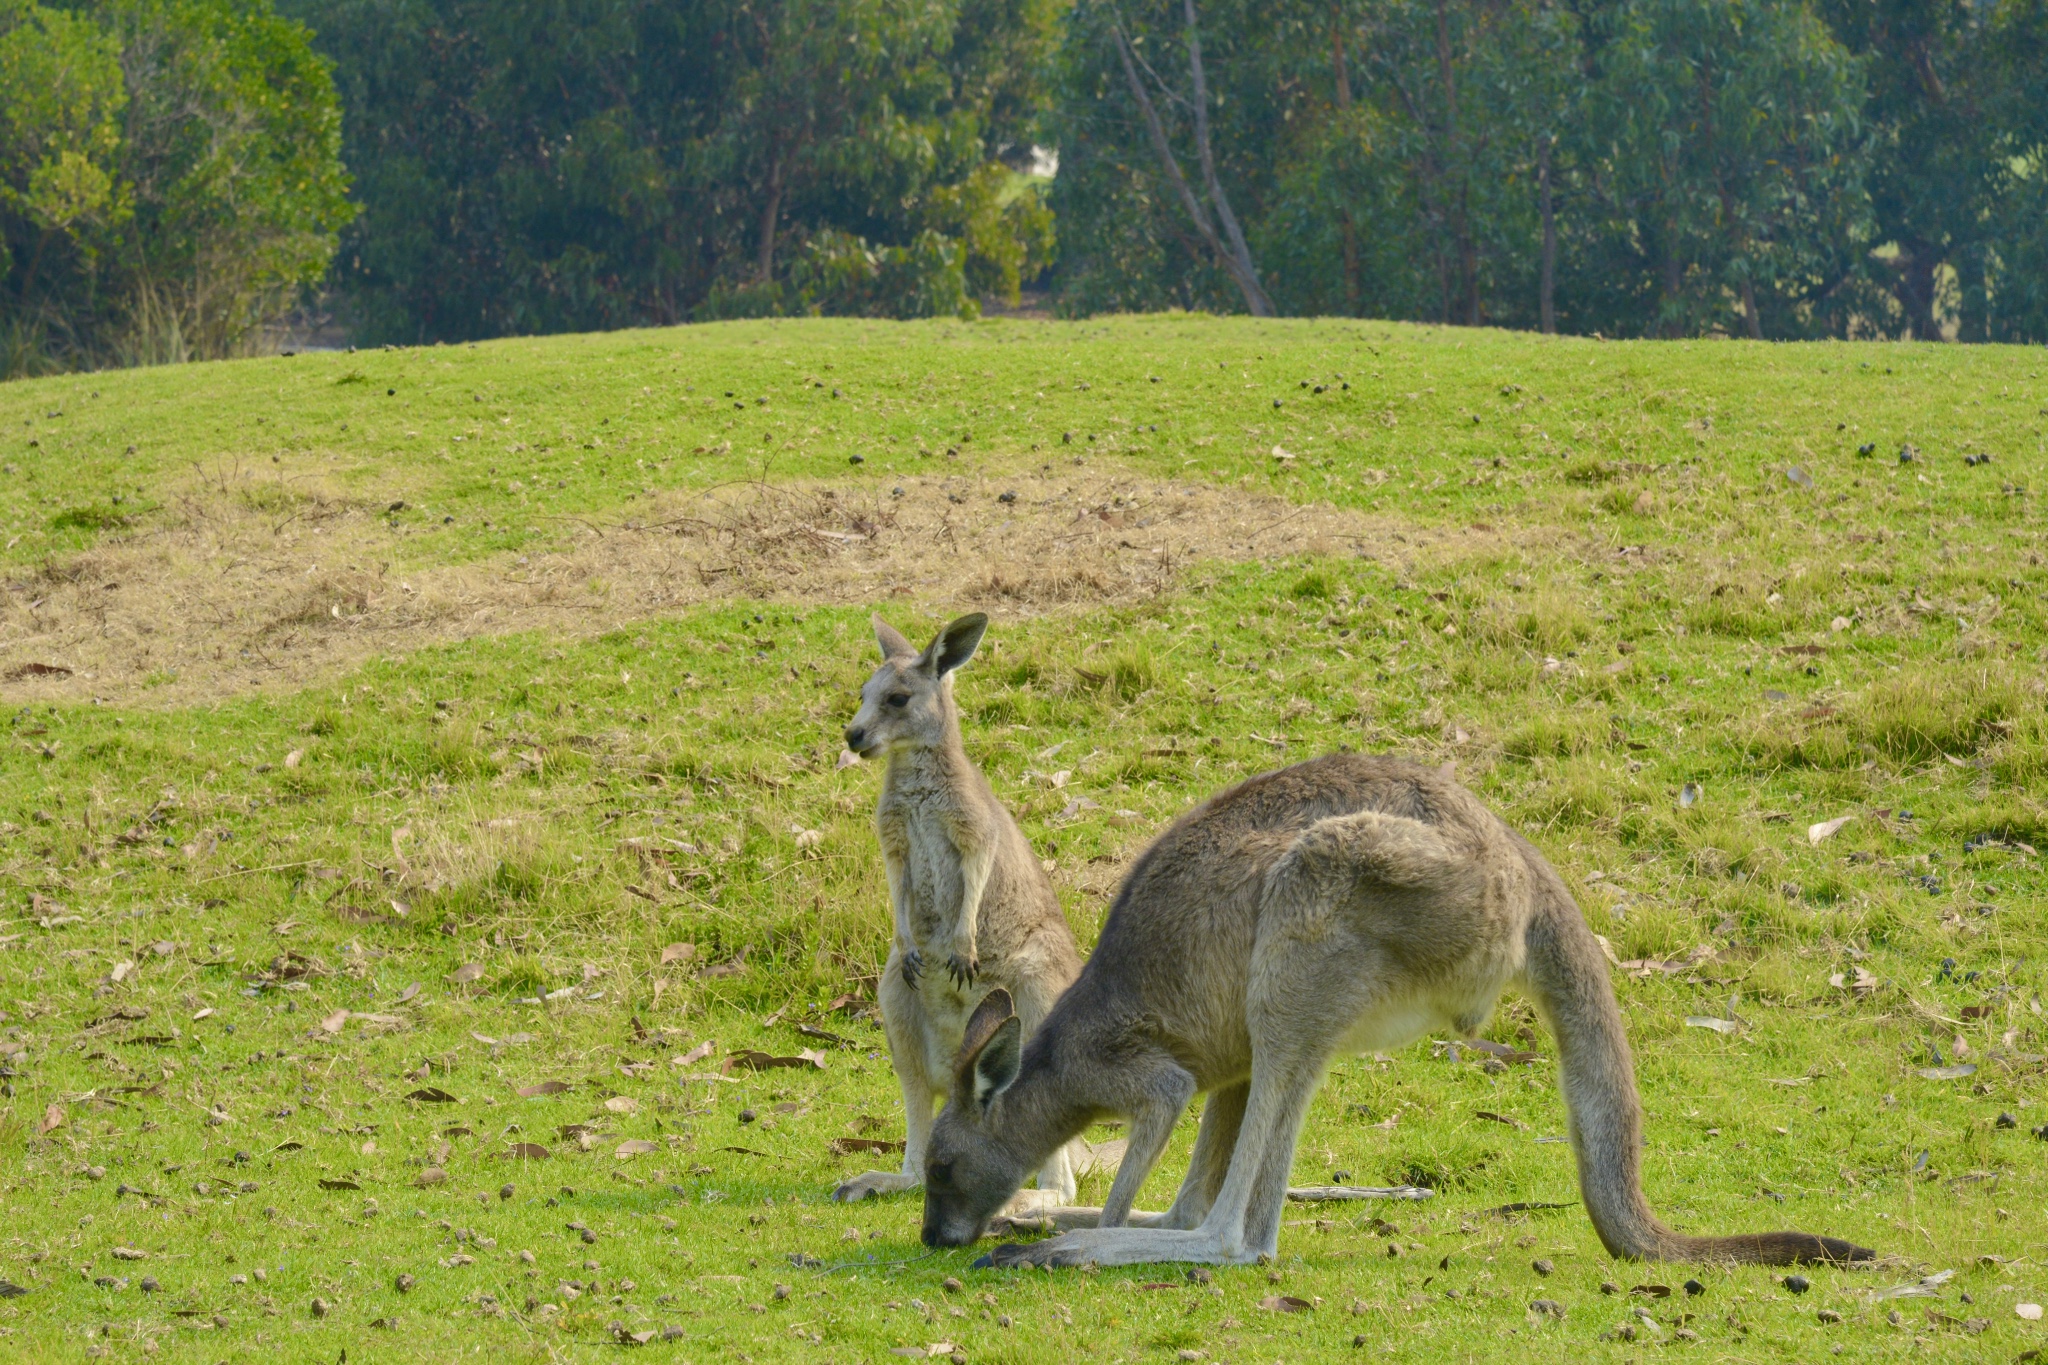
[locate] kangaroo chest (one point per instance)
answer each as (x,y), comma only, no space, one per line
(923,851)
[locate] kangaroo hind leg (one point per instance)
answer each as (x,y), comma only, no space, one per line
(903,1019)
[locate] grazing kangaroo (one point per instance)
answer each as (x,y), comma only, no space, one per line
(973,907)
(1343,904)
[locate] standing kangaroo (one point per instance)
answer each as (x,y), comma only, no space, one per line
(1344,904)
(973,907)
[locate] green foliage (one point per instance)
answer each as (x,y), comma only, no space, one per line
(169,179)
(533,167)
(1755,168)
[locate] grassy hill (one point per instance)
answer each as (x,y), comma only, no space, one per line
(376,721)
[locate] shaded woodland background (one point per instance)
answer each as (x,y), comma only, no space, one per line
(179,178)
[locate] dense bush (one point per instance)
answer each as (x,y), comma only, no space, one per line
(169,179)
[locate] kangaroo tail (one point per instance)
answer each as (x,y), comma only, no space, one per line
(1568,976)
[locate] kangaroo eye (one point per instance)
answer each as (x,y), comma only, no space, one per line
(898,700)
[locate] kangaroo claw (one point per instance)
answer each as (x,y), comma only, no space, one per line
(1012,1254)
(912,968)
(962,969)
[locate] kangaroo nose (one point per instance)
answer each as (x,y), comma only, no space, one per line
(854,736)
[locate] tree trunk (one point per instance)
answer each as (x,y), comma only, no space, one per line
(1674,280)
(1917,265)
(1234,259)
(1461,227)
(764,262)
(1351,283)
(1255,293)
(1546,290)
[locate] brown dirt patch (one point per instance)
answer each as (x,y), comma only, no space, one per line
(226,600)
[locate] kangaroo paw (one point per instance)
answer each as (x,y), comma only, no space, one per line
(912,968)
(1055,1251)
(870,1184)
(962,969)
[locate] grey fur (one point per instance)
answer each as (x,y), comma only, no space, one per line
(1344,904)
(973,907)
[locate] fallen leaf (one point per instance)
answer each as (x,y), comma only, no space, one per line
(678,952)
(333,1023)
(847,758)
(408,993)
(2030,1311)
(1489,1115)
(466,973)
(1285,1303)
(1717,1025)
(1652,1291)
(527,1151)
(847,1146)
(1816,833)
(431,1094)
(53,1119)
(622,1104)
(750,1060)
(294,758)
(484,1038)
(120,972)
(432,1175)
(1689,795)
(128,1253)
(735,966)
(1948,1073)
(1926,1287)
(327,1184)
(203,1014)
(636,1147)
(811,1031)
(527,1092)
(809,839)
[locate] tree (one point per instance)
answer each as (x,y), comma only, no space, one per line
(171,178)
(533,166)
(1724,156)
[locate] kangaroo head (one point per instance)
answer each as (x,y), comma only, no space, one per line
(969,1171)
(907,704)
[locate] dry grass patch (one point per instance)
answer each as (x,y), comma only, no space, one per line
(236,595)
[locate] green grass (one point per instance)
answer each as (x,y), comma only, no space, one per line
(1646,602)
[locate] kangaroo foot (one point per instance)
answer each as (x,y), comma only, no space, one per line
(873,1183)
(1118,1246)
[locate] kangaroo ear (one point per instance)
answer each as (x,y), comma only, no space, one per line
(894,646)
(954,645)
(989,1053)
